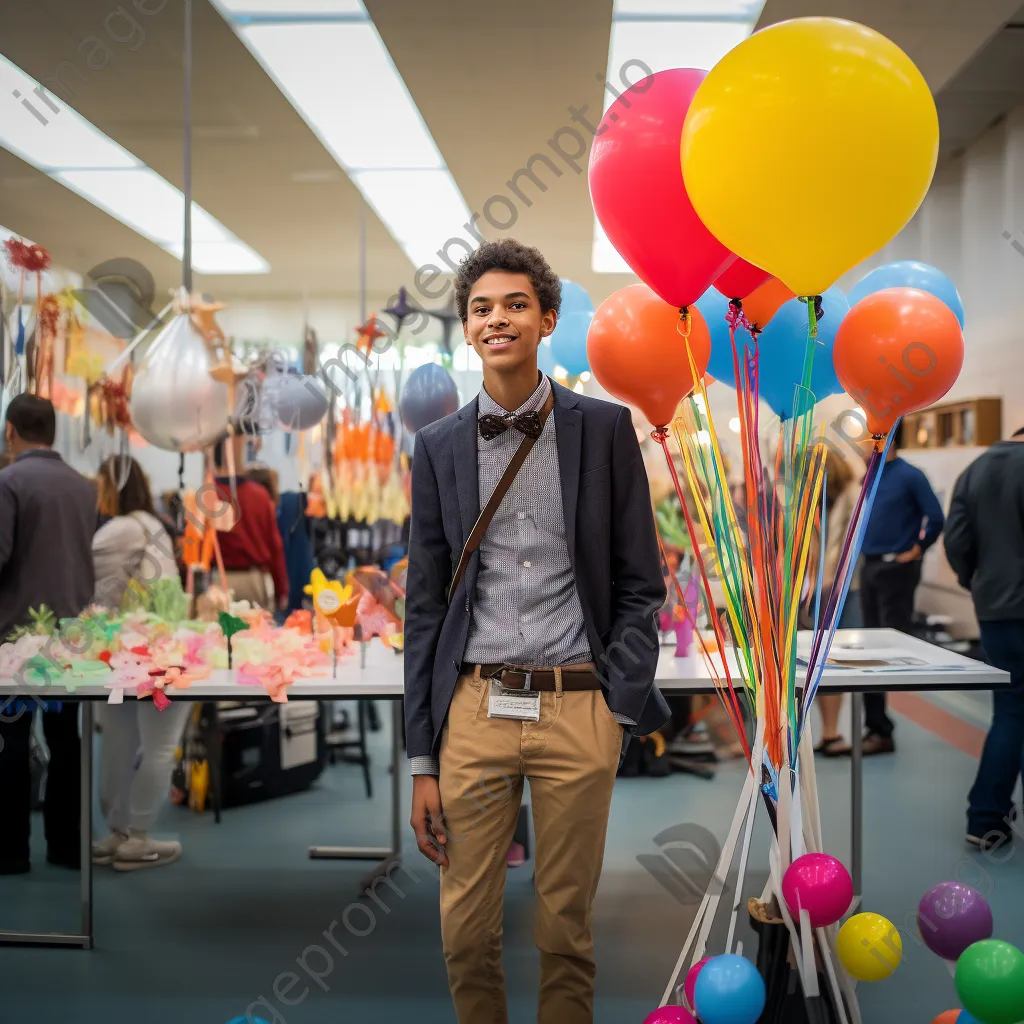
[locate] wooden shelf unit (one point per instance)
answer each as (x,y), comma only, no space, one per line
(973,423)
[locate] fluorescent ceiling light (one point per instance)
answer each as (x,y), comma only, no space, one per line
(227,257)
(669,34)
(689,10)
(328,59)
(243,9)
(342,81)
(144,201)
(57,140)
(422,209)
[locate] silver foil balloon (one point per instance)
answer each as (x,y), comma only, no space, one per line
(300,401)
(176,405)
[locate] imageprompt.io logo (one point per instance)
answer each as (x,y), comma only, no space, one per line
(685,863)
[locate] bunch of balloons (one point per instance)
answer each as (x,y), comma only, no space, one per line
(752,224)
(955,922)
(722,990)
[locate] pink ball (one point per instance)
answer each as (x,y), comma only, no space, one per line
(670,1015)
(820,885)
(691,981)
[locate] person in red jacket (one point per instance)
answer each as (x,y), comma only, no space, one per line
(252,549)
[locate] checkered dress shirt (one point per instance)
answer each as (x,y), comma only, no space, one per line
(527,610)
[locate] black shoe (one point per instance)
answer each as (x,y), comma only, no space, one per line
(876,743)
(15,867)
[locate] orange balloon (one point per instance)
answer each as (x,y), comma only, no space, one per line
(638,355)
(897,351)
(949,1017)
(764,301)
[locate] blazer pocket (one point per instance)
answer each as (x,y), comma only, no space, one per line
(599,475)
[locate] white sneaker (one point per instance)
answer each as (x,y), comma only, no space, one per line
(104,850)
(142,852)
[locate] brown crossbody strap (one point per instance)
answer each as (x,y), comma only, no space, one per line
(484,520)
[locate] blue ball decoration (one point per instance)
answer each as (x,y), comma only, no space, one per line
(569,342)
(575,299)
(729,990)
(429,394)
(910,274)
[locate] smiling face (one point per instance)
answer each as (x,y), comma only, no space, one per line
(505,322)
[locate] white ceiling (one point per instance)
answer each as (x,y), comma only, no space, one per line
(493,87)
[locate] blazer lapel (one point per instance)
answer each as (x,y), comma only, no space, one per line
(467,480)
(569,436)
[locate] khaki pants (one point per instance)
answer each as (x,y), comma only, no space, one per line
(570,757)
(252,585)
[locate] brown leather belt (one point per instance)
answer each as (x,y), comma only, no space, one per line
(517,677)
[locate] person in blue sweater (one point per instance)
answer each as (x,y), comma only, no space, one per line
(906,520)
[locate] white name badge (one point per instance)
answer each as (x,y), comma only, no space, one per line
(521,705)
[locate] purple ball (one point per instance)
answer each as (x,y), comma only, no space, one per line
(952,917)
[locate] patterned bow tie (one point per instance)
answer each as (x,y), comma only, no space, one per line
(528,423)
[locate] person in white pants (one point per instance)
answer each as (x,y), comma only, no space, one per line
(139,742)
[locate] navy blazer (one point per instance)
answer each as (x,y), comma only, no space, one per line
(613,546)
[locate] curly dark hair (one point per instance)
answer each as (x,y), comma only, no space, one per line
(512,256)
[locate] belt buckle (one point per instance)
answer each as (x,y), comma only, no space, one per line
(525,672)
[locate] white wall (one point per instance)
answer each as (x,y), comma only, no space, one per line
(959,229)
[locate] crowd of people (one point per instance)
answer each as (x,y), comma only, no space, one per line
(68,542)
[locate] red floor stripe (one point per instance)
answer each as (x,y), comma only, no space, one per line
(955,731)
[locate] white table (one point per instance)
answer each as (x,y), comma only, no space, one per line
(377,672)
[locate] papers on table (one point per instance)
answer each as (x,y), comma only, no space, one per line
(870,658)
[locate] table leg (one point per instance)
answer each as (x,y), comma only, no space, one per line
(84,939)
(387,855)
(86,821)
(856,794)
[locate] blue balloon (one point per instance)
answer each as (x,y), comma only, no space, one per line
(569,341)
(966,1018)
(545,360)
(713,306)
(428,395)
(910,274)
(729,990)
(782,346)
(575,299)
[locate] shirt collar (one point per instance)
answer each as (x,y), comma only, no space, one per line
(487,406)
(38,453)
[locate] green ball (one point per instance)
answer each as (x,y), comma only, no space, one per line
(990,982)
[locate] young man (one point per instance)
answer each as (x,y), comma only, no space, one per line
(543,652)
(984,542)
(906,520)
(47,520)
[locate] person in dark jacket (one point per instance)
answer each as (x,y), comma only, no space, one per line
(47,521)
(984,540)
(558,602)
(905,521)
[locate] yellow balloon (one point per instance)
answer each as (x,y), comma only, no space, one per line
(869,947)
(808,147)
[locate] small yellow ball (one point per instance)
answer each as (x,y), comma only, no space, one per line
(869,947)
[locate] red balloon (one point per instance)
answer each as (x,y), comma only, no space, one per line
(949,1017)
(897,351)
(740,278)
(636,184)
(638,355)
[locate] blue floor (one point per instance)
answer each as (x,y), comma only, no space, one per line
(202,941)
